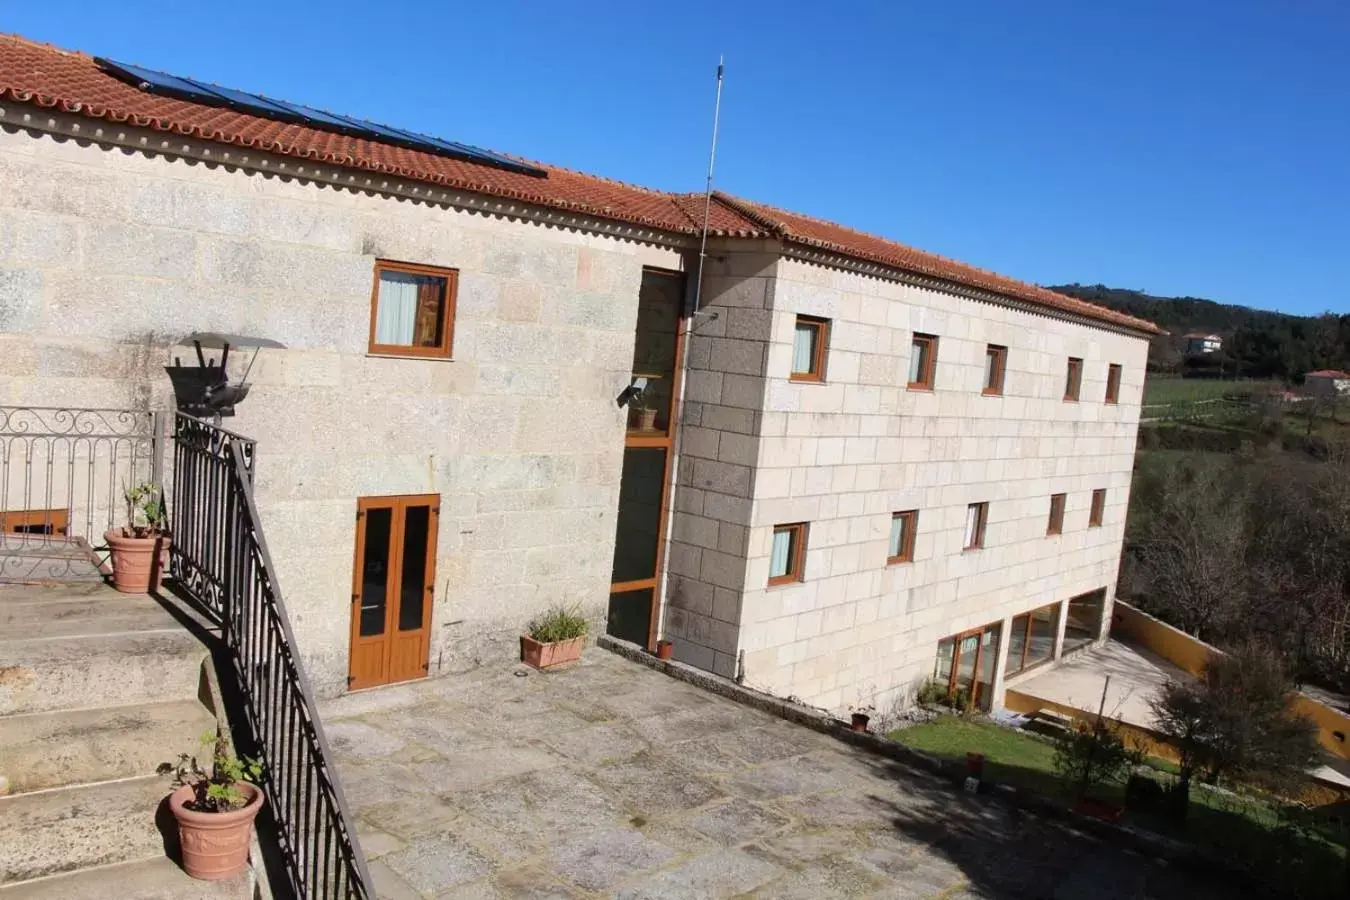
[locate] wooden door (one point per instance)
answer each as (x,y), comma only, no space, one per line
(393,581)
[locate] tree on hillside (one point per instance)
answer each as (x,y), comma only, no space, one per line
(1188,556)
(1235,722)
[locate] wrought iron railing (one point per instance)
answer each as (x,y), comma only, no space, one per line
(220,558)
(63,474)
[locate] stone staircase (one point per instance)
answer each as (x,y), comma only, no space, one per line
(97,689)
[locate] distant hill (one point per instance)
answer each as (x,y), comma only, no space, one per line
(1258,343)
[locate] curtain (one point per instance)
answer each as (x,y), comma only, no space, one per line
(804,348)
(916,363)
(782,550)
(972,524)
(396,309)
(990,370)
(897,533)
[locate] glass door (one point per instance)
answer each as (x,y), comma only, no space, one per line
(644,491)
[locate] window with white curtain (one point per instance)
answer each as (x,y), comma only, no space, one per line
(976,516)
(785,555)
(922,362)
(903,525)
(808,348)
(413,310)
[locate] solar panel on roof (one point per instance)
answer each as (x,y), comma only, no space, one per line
(195,91)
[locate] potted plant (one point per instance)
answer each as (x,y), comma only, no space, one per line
(862,715)
(140,549)
(646,416)
(554,638)
(665,649)
(215,812)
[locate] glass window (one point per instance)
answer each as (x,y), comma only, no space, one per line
(412,311)
(1083,624)
(903,525)
(413,583)
(1098,511)
(656,340)
(375,570)
(638,524)
(1032,640)
(808,349)
(1056,523)
(1073,379)
(923,355)
(995,364)
(785,557)
(976,515)
(1113,383)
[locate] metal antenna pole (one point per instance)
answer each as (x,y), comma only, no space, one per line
(707,194)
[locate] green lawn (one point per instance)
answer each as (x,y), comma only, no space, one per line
(1187,390)
(1231,825)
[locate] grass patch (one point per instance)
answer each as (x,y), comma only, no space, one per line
(1189,390)
(1232,825)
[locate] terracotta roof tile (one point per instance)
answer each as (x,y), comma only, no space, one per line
(50,77)
(1327,373)
(848,242)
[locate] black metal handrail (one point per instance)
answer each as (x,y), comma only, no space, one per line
(220,557)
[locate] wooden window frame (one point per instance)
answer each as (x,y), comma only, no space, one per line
(443,350)
(796,554)
(1113,372)
(1056,524)
(1027,618)
(925,382)
(1073,380)
(1000,354)
(908,532)
(1097,512)
(981,524)
(817,373)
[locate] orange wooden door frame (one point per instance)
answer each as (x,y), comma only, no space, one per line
(394,654)
(666,442)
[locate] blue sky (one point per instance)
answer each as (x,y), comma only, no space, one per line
(1180,148)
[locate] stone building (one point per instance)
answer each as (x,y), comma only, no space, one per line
(854,466)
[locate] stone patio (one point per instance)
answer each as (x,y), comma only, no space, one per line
(613,780)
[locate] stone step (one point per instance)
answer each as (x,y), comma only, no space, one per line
(55,749)
(50,674)
(31,612)
(68,829)
(151,879)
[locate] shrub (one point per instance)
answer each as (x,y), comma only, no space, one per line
(930,693)
(218,791)
(558,624)
(1093,753)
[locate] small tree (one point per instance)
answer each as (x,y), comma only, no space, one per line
(1092,753)
(1236,722)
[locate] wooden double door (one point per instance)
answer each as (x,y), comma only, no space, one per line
(393,583)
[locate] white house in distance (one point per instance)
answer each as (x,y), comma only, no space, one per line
(856,466)
(1200,343)
(1327,383)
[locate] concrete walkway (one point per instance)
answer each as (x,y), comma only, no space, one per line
(613,780)
(1136,675)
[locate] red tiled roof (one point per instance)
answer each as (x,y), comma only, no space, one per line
(50,77)
(839,239)
(1327,373)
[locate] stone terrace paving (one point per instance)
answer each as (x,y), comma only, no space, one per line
(613,780)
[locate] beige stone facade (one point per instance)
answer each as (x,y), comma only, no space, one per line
(844,454)
(109,255)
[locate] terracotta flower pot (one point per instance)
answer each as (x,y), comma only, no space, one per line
(860,721)
(665,649)
(138,563)
(545,656)
(975,764)
(215,845)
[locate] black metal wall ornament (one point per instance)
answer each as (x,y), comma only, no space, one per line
(205,390)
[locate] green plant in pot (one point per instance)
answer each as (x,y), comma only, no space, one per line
(140,548)
(215,810)
(554,638)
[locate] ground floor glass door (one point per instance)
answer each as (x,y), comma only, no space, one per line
(393,579)
(644,492)
(965,665)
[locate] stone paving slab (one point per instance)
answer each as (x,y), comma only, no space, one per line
(610,779)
